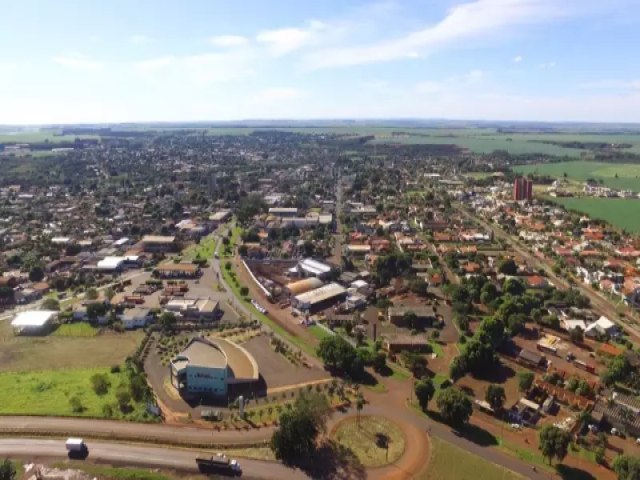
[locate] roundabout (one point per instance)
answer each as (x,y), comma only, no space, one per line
(376,441)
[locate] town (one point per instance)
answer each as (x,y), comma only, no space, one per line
(222,281)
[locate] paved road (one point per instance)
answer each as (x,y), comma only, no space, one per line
(125,454)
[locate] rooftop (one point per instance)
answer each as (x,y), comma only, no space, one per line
(33,318)
(321,294)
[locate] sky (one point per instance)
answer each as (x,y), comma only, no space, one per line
(91,61)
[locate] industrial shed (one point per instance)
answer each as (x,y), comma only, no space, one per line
(34,322)
(315,300)
(303,286)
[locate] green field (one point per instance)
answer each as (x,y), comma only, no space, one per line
(52,136)
(78,329)
(49,392)
(628,174)
(623,213)
(452,463)
(63,351)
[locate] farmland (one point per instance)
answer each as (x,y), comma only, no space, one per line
(621,176)
(623,213)
(70,348)
(51,136)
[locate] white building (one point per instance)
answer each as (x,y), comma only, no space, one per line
(33,322)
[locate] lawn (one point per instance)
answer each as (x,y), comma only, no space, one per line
(48,392)
(363,439)
(623,213)
(23,354)
(621,176)
(452,463)
(204,250)
(78,329)
(318,332)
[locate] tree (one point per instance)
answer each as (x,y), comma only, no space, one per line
(339,354)
(495,397)
(8,470)
(618,371)
(92,294)
(100,384)
(410,319)
(627,467)
(50,304)
(295,439)
(424,392)
(525,381)
(576,334)
(109,293)
(124,399)
(76,404)
(379,362)
(554,442)
(415,362)
(359,405)
(508,266)
(454,405)
(244,291)
(419,286)
(36,274)
(168,321)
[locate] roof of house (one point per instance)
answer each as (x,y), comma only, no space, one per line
(33,318)
(321,294)
(158,239)
(530,356)
(407,340)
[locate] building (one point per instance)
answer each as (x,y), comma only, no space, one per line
(399,343)
(522,189)
(309,267)
(220,217)
(425,315)
(602,327)
(159,243)
(531,358)
(34,322)
(283,212)
(202,310)
(620,411)
(178,270)
(303,286)
(111,264)
(136,317)
(319,299)
(213,367)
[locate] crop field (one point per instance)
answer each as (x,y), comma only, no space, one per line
(623,213)
(621,176)
(53,136)
(66,350)
(49,392)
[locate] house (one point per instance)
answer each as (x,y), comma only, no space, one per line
(602,326)
(159,243)
(136,317)
(202,310)
(619,411)
(531,358)
(425,315)
(85,311)
(537,282)
(220,217)
(399,343)
(34,322)
(111,264)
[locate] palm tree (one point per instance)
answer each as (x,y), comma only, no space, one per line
(359,406)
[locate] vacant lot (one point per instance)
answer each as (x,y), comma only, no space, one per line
(23,354)
(78,329)
(623,213)
(621,176)
(365,438)
(51,392)
(452,463)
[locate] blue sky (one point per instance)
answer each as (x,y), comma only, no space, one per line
(120,61)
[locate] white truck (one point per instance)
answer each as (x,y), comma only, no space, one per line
(76,447)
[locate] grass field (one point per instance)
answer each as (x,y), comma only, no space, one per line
(361,437)
(23,354)
(621,212)
(628,174)
(78,329)
(49,392)
(452,463)
(52,136)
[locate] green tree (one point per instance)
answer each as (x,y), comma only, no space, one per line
(495,397)
(554,442)
(168,321)
(359,405)
(91,294)
(454,406)
(576,334)
(124,399)
(525,381)
(618,371)
(50,304)
(508,266)
(337,353)
(100,383)
(36,274)
(76,404)
(379,362)
(244,291)
(424,392)
(8,470)
(295,439)
(627,467)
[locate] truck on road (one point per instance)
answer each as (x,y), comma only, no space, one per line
(76,448)
(219,463)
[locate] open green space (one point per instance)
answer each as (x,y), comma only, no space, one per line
(375,441)
(78,329)
(318,332)
(203,250)
(452,463)
(623,213)
(621,176)
(26,353)
(51,136)
(52,392)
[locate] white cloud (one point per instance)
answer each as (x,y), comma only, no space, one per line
(517,59)
(465,22)
(277,95)
(78,62)
(547,65)
(139,39)
(286,40)
(229,41)
(612,84)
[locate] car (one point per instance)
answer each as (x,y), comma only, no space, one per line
(570,357)
(593,428)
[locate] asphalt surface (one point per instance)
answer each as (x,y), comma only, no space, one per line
(136,455)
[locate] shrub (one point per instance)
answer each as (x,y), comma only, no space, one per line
(100,384)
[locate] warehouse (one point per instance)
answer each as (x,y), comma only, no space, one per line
(158,243)
(283,212)
(315,300)
(308,267)
(213,366)
(178,270)
(111,264)
(34,322)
